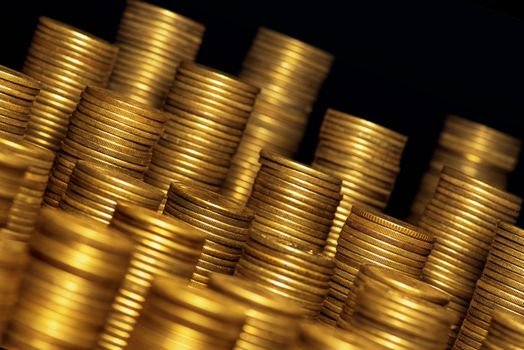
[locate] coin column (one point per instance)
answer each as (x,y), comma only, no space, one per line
(109,129)
(463,215)
(290,73)
(180,317)
(293,201)
(152,42)
(499,288)
(75,268)
(373,238)
(319,337)
(17,93)
(12,173)
(472,148)
(163,247)
(65,60)
(506,331)
(366,156)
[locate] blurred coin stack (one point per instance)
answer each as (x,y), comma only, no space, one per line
(65,60)
(75,269)
(163,247)
(108,129)
(472,148)
(180,317)
(17,93)
(373,238)
(209,110)
(293,201)
(225,222)
(506,332)
(23,214)
(152,42)
(271,322)
(319,337)
(463,215)
(296,272)
(95,190)
(290,73)
(366,156)
(499,288)
(12,174)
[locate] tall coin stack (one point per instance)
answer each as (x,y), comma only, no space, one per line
(75,269)
(209,111)
(65,60)
(293,201)
(319,337)
(290,73)
(373,238)
(271,322)
(499,288)
(366,156)
(296,272)
(106,128)
(152,42)
(472,148)
(506,331)
(95,190)
(180,317)
(225,222)
(163,247)
(463,215)
(17,93)
(12,173)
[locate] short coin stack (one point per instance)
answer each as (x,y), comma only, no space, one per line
(506,332)
(319,337)
(65,60)
(293,271)
(366,156)
(109,129)
(499,288)
(95,190)
(271,322)
(12,173)
(75,269)
(472,148)
(225,222)
(180,317)
(373,238)
(163,247)
(209,111)
(293,201)
(17,93)
(152,42)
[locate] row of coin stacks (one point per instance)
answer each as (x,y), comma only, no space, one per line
(472,148)
(152,42)
(290,74)
(506,331)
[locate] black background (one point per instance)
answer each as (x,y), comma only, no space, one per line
(402,64)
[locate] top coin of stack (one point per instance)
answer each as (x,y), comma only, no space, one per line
(472,148)
(152,42)
(17,93)
(293,201)
(65,60)
(366,156)
(506,331)
(209,111)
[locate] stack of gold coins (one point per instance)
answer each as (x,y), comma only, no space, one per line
(499,287)
(283,267)
(94,191)
(366,156)
(152,42)
(472,148)
(290,73)
(65,60)
(109,129)
(12,173)
(180,317)
(209,111)
(163,247)
(17,93)
(293,201)
(506,332)
(75,268)
(271,322)
(23,214)
(319,337)
(373,238)
(225,222)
